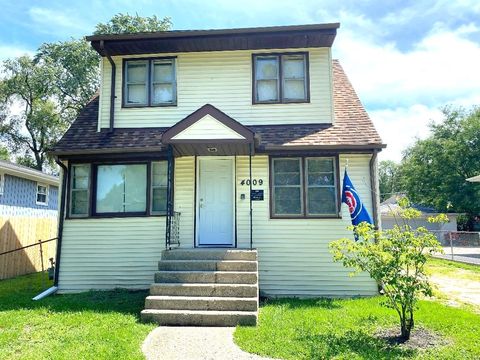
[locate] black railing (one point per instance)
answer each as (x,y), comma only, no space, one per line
(173,225)
(173,218)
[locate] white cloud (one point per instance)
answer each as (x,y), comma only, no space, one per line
(399,127)
(442,67)
(54,21)
(12,51)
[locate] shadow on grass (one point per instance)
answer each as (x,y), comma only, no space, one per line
(17,293)
(326,346)
(295,303)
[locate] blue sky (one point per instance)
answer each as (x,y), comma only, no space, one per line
(406,59)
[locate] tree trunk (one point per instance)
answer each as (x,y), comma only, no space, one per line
(406,325)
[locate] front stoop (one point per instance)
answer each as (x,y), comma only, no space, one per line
(204,287)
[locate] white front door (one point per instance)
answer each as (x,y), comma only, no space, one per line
(215,202)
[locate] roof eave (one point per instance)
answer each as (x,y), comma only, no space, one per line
(215,40)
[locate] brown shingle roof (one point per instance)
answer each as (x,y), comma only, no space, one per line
(351,129)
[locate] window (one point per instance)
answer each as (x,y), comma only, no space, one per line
(2,183)
(159,187)
(149,82)
(42,194)
(304,187)
(287,186)
(121,189)
(118,189)
(79,190)
(280,78)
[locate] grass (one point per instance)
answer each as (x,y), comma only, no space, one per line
(453,269)
(345,329)
(91,325)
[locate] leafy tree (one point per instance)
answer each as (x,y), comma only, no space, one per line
(395,258)
(125,24)
(388,176)
(434,170)
(4,155)
(52,87)
(28,84)
(76,73)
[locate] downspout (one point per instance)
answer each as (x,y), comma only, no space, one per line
(60,220)
(54,288)
(373,186)
(112,86)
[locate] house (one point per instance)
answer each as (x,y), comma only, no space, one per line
(206,154)
(389,209)
(28,213)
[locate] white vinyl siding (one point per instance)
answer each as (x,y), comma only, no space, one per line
(223,79)
(110,253)
(294,258)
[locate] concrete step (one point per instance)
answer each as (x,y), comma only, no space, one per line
(201,303)
(200,317)
(216,290)
(209,254)
(219,277)
(207,265)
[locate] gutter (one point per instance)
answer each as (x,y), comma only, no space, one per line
(373,186)
(60,221)
(112,87)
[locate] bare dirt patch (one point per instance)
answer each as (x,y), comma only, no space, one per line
(463,290)
(420,338)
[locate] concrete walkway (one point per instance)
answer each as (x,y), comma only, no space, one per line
(194,343)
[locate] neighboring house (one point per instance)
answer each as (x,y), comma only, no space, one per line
(28,213)
(232,139)
(389,215)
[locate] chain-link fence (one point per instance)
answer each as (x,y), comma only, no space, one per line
(463,246)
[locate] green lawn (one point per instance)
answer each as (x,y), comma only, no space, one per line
(344,329)
(93,325)
(453,269)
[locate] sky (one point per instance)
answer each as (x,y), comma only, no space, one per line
(406,59)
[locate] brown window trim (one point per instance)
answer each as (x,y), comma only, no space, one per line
(93,190)
(149,61)
(280,78)
(304,215)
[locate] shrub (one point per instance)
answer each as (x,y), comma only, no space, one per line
(395,258)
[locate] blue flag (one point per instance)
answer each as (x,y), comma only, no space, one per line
(358,212)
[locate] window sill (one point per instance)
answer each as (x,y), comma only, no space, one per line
(282,102)
(110,216)
(147,106)
(315,217)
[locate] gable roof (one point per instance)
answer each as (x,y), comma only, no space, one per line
(7,167)
(272,37)
(352,129)
(208,111)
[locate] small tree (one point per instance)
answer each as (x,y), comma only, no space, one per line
(395,258)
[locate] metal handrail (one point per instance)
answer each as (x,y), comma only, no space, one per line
(40,242)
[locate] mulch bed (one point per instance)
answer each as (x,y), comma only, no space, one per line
(420,338)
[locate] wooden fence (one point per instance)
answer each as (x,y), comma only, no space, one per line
(17,232)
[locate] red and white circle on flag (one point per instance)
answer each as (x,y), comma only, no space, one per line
(351,201)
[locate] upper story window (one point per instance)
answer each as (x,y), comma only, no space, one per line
(280,78)
(149,82)
(42,194)
(2,183)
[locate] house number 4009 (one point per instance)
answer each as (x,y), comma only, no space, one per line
(254,182)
